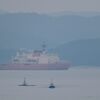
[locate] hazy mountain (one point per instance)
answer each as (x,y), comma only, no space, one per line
(81,52)
(78,52)
(3,11)
(6,55)
(28,30)
(82,13)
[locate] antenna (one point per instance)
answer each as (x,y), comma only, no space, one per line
(24,83)
(44,46)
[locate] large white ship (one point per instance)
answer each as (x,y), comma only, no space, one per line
(35,60)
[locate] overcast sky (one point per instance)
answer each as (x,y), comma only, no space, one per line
(48,6)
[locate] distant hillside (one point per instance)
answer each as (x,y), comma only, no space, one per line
(28,30)
(81,52)
(82,13)
(6,55)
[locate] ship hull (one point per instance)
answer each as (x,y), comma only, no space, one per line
(56,66)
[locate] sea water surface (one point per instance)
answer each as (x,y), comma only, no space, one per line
(74,84)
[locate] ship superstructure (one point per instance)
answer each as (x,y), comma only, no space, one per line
(35,57)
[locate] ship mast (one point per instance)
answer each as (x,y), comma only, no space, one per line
(44,47)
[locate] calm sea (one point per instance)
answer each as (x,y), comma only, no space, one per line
(73,84)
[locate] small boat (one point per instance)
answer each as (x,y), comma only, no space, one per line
(52,85)
(25,84)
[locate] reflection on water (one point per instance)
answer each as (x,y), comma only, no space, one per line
(72,84)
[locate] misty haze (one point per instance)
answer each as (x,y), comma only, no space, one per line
(49,49)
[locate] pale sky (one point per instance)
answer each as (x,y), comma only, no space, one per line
(49,6)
